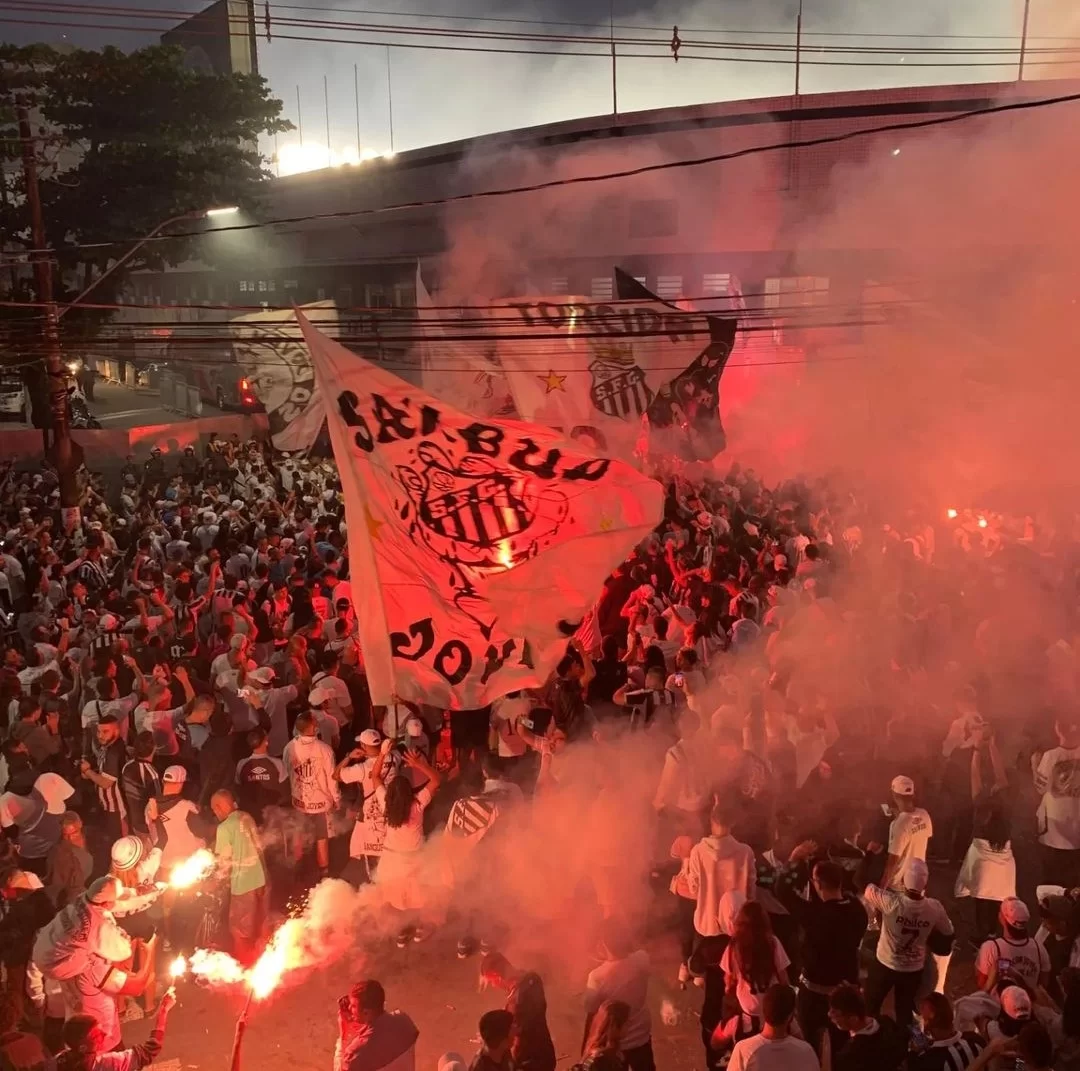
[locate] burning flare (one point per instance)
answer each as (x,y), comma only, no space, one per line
(217,968)
(951,514)
(192,870)
(178,968)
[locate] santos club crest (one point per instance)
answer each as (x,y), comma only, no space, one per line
(476,513)
(618,384)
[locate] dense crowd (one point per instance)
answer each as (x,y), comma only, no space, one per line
(848,721)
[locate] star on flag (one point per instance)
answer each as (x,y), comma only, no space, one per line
(552,382)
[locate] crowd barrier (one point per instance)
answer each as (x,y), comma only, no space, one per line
(106,448)
(178,396)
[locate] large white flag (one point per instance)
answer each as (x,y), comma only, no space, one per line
(475,544)
(269,347)
(595,370)
(465,374)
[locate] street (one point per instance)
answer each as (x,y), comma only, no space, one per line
(117,406)
(296,1027)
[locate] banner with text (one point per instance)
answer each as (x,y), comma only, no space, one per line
(601,371)
(453,520)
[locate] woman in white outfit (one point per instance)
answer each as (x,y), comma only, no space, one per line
(402,870)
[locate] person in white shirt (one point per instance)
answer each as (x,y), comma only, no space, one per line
(505,713)
(718,864)
(339,701)
(1015,955)
(683,791)
(909,919)
(624,975)
(1057,780)
(909,832)
(309,764)
(774,1049)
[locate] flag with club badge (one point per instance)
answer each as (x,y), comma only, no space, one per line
(476,544)
(595,370)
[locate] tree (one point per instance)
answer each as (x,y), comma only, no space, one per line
(123,141)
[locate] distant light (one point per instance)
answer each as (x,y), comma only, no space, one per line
(982,522)
(311,156)
(389,155)
(225,210)
(896,152)
(951,514)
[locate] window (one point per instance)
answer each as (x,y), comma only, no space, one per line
(243,286)
(796,291)
(654,219)
(320,294)
(270,285)
(603,288)
(262,286)
(404,295)
(716,284)
(559,286)
(669,286)
(290,284)
(344,297)
(375,296)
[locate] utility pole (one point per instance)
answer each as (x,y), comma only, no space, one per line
(63,454)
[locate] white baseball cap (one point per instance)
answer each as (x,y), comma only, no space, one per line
(902,786)
(1015,1002)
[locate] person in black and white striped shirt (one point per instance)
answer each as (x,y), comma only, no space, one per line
(946,1048)
(93,572)
(107,758)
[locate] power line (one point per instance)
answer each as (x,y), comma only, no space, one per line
(508,20)
(121,11)
(579,180)
(772,48)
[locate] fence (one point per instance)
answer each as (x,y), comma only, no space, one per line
(105,449)
(178,396)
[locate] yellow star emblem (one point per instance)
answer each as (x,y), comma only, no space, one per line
(552,382)
(373,525)
(606,524)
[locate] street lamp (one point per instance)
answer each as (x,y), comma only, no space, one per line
(204,213)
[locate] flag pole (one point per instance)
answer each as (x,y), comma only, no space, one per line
(390,97)
(356,97)
(614,77)
(326,113)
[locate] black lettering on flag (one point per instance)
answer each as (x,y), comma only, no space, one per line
(444,660)
(424,631)
(391,419)
(347,403)
(483,439)
(545,470)
(591,470)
